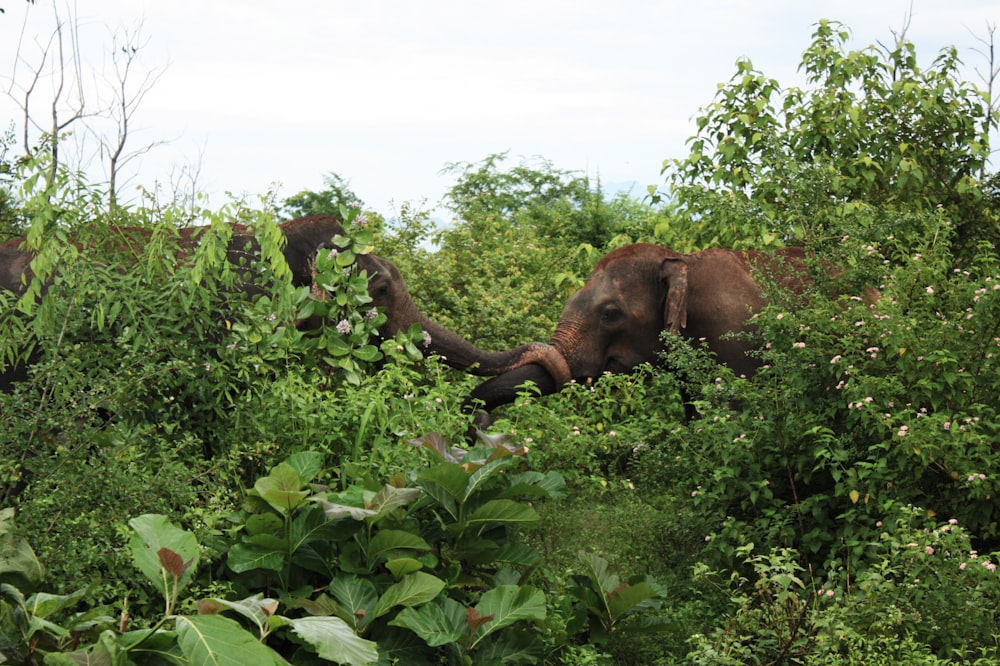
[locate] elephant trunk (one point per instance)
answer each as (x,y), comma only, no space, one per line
(459,353)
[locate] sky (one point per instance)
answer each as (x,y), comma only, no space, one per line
(259,95)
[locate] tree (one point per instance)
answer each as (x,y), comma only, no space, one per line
(555,202)
(336,193)
(45,134)
(873,128)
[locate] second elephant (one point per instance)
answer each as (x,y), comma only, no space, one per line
(614,322)
(304,237)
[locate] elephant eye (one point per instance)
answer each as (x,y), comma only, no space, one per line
(611,314)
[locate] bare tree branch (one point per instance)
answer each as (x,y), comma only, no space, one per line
(990,78)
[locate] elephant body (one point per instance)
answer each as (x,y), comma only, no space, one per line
(613,323)
(304,238)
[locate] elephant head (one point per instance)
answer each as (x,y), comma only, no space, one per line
(635,293)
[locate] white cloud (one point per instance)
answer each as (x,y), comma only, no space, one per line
(386,92)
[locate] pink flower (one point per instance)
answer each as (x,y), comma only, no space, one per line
(799,345)
(930,290)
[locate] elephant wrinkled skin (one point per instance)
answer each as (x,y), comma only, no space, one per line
(614,322)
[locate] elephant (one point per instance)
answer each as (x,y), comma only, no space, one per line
(614,322)
(304,237)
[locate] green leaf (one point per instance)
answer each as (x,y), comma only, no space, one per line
(503,511)
(449,477)
(43,604)
(334,511)
(388,540)
(16,556)
(257,609)
(412,590)
(478,478)
(437,624)
(368,353)
(391,498)
(508,604)
(215,640)
(154,532)
(597,571)
(248,556)
(629,597)
(552,484)
(357,597)
(282,488)
(401,566)
(307,464)
(334,640)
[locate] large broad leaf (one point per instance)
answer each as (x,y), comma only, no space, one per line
(307,464)
(357,598)
(514,646)
(256,608)
(518,554)
(313,526)
(43,604)
(629,597)
(18,563)
(400,566)
(436,442)
(597,571)
(535,484)
(354,502)
(213,640)
(248,556)
(282,488)
(505,605)
(154,534)
(334,640)
(412,590)
(437,624)
(503,511)
(334,511)
(391,498)
(386,541)
(478,479)
(448,477)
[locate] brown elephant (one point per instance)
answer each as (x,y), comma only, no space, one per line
(614,322)
(304,238)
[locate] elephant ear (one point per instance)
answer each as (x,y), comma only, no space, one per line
(674,275)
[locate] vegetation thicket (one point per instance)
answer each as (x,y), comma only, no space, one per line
(186,476)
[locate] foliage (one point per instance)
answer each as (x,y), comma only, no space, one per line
(840,507)
(931,595)
(332,200)
(874,127)
(9,218)
(437,561)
